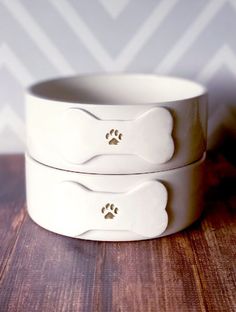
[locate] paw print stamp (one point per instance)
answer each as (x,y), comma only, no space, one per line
(114,137)
(109,211)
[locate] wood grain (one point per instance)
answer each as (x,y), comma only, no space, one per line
(190,271)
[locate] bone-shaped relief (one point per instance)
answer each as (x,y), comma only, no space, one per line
(83,136)
(76,209)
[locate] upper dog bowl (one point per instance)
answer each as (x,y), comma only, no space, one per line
(116,123)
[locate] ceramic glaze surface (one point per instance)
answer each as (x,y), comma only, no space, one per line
(116,124)
(114,207)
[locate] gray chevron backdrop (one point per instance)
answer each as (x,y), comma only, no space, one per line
(45,38)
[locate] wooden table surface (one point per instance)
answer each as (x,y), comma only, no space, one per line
(190,271)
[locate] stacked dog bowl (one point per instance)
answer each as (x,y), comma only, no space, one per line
(115,157)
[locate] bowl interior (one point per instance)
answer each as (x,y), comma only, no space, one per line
(117,89)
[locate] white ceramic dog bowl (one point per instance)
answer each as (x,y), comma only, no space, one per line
(114,207)
(116,124)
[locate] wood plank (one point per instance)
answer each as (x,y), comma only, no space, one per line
(12,203)
(190,271)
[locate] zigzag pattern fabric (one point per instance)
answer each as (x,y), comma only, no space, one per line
(48,38)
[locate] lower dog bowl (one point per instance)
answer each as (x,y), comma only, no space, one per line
(114,207)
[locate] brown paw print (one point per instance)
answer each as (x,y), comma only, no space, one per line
(114,137)
(109,211)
